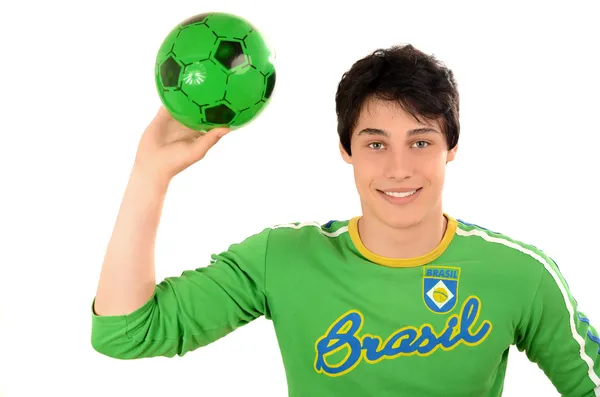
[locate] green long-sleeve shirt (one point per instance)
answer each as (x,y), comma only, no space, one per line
(349,322)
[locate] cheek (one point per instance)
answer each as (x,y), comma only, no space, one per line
(436,169)
(432,167)
(364,173)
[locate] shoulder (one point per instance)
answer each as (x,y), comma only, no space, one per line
(501,246)
(292,235)
(309,230)
(285,238)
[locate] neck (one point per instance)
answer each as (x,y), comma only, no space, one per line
(403,243)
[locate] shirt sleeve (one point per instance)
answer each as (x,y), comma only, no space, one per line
(559,338)
(192,310)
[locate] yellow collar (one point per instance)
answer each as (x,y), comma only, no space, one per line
(398,262)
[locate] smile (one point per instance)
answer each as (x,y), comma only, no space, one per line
(404,197)
(401,194)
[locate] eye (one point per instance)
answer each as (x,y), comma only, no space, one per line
(421,144)
(376,146)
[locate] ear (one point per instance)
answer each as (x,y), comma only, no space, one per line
(451,154)
(345,156)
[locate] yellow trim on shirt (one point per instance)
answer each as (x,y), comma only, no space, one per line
(403,262)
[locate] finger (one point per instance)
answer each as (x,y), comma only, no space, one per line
(163,113)
(219,132)
(202,144)
(162,117)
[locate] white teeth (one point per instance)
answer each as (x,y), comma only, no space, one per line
(398,194)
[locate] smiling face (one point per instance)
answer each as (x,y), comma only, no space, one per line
(399,164)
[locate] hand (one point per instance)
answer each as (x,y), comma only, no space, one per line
(167,147)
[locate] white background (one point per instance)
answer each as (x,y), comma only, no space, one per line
(78,90)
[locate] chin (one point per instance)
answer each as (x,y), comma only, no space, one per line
(400,216)
(401,219)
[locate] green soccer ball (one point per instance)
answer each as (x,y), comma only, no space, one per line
(215,70)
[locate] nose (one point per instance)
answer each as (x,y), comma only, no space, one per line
(398,165)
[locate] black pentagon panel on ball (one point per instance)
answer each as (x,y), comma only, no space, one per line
(169,72)
(230,54)
(195,19)
(270,85)
(219,114)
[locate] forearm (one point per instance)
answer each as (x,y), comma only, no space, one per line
(127,279)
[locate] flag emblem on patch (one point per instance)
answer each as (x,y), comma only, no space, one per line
(440,288)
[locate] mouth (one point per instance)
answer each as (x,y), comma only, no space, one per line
(400,196)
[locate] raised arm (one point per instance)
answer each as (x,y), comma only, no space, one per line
(132,315)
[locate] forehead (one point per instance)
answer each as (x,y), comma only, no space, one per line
(390,116)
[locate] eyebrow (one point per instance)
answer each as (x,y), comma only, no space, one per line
(411,132)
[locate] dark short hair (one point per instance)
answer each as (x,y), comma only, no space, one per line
(420,83)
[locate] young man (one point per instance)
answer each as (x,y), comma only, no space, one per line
(371,306)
